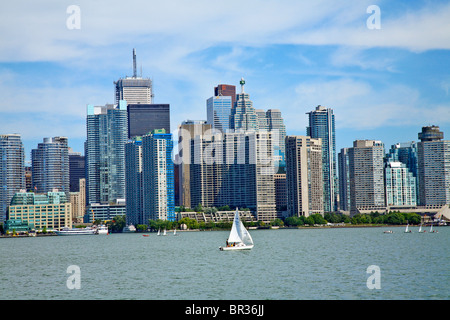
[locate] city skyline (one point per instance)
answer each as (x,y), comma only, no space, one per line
(383,84)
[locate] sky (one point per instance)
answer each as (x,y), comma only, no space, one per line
(384,70)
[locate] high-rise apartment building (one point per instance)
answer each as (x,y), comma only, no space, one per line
(304,178)
(344,180)
(107,133)
(434,167)
(243,115)
(50,166)
(366,171)
(271,120)
(12,170)
(407,154)
(134,186)
(134,89)
(158,192)
(77,170)
(144,118)
(322,125)
(400,185)
(235,169)
(187,131)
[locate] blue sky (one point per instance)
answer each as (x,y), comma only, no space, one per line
(383,84)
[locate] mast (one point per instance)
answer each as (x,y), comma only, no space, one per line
(134,63)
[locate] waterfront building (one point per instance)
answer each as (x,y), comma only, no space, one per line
(187,131)
(144,118)
(12,170)
(50,165)
(304,178)
(134,89)
(78,201)
(407,154)
(280,194)
(243,115)
(400,185)
(434,167)
(235,169)
(77,170)
(344,181)
(51,210)
(104,212)
(218,112)
(158,192)
(107,133)
(322,125)
(366,172)
(133,174)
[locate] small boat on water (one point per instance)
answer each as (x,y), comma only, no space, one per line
(420,229)
(239,238)
(76,231)
(102,230)
(388,231)
(407,229)
(432,231)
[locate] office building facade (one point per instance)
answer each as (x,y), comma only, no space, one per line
(344,181)
(134,186)
(400,185)
(304,178)
(218,112)
(243,115)
(144,118)
(12,170)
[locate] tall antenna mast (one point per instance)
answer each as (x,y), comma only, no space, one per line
(134,63)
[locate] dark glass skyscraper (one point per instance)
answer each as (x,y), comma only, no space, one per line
(144,118)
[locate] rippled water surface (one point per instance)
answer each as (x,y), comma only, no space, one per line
(284,264)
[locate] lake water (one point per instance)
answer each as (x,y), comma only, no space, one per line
(285,264)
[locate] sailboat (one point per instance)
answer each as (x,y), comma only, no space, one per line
(407,230)
(239,238)
(420,229)
(159,232)
(431,229)
(164,233)
(175,232)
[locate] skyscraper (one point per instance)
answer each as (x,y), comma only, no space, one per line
(134,89)
(400,185)
(434,167)
(50,166)
(187,131)
(366,171)
(243,115)
(271,120)
(158,192)
(107,133)
(304,176)
(322,125)
(218,112)
(144,118)
(134,186)
(77,170)
(226,90)
(12,170)
(235,169)
(344,180)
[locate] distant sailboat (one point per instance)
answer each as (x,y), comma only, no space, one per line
(407,230)
(239,238)
(164,233)
(159,232)
(431,229)
(175,232)
(420,229)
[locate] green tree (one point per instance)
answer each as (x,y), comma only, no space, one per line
(117,224)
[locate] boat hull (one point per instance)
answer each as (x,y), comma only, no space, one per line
(76,233)
(242,247)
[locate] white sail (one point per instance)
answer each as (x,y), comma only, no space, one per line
(420,229)
(235,233)
(245,236)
